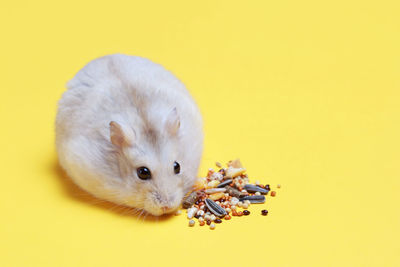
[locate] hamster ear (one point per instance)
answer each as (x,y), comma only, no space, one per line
(119,136)
(173,122)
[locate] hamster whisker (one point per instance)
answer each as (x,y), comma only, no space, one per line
(141,213)
(145,216)
(115,208)
(133,212)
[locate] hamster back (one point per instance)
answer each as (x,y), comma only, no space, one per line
(128,131)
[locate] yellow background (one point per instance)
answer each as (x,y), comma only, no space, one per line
(306,93)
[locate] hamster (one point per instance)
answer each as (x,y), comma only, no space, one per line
(129,132)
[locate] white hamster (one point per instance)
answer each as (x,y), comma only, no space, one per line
(128,131)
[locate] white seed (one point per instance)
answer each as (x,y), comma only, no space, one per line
(244,191)
(191,223)
(257,193)
(247,201)
(234,201)
(200,212)
(233,207)
(228,210)
(212,226)
(218,202)
(226,194)
(191,212)
(216,176)
(207,217)
(202,207)
(219,165)
(240,204)
(245,205)
(213,217)
(208,213)
(201,219)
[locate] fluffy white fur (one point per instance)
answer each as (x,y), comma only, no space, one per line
(122,112)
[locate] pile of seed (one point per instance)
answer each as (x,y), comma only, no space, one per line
(221,194)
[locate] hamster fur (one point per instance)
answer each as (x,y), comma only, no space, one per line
(124,112)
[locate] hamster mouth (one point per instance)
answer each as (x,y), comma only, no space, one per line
(167,209)
(161,210)
(157,204)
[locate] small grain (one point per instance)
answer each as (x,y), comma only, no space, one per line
(264,212)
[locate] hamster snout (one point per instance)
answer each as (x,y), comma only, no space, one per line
(128,131)
(163,204)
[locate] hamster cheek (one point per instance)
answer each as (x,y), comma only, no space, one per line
(135,195)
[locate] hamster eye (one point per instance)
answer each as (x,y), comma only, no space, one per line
(143,173)
(177,167)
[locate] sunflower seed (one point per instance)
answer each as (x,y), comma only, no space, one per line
(254,188)
(215,208)
(225,183)
(189,200)
(253,199)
